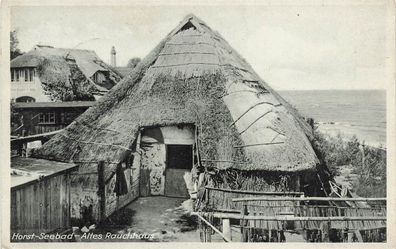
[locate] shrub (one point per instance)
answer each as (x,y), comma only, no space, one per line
(371,170)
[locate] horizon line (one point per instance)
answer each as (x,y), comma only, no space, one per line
(335,89)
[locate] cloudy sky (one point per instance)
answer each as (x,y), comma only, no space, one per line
(290,47)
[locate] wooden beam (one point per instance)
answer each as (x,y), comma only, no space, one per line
(227,228)
(359,236)
(214,228)
(250,145)
(257,119)
(255,192)
(305,199)
(290,218)
(259,103)
(101,191)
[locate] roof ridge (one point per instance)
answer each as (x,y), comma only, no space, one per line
(61,48)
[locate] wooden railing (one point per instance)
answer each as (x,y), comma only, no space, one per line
(274,211)
(220,199)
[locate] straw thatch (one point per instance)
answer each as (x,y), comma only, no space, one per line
(193,77)
(57,67)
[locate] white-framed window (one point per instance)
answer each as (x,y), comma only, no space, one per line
(23,74)
(47,118)
(26,74)
(32,73)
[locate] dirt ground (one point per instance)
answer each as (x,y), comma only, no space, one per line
(159,219)
(165,219)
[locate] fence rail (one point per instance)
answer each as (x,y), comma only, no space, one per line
(212,227)
(290,218)
(247,199)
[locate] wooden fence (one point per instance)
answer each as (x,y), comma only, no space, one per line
(266,216)
(218,199)
(42,206)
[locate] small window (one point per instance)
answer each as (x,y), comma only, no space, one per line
(17,75)
(95,77)
(12,74)
(26,74)
(21,74)
(62,118)
(47,118)
(31,74)
(25,99)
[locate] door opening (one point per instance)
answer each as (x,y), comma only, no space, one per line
(179,160)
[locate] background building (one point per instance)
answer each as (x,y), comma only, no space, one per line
(47,74)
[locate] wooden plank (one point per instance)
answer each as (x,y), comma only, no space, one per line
(41,192)
(18,210)
(45,207)
(359,236)
(214,228)
(101,191)
(254,192)
(227,228)
(305,199)
(50,204)
(31,204)
(60,201)
(14,220)
(145,182)
(289,218)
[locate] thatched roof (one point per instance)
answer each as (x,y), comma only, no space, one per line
(86,60)
(193,76)
(123,71)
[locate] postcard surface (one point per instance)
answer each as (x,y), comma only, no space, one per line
(258,122)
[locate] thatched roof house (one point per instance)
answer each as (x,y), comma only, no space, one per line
(192,89)
(56,68)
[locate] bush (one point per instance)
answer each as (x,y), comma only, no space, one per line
(371,170)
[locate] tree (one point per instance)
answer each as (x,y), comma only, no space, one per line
(133,62)
(16,119)
(14,42)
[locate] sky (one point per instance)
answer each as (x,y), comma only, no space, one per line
(291,47)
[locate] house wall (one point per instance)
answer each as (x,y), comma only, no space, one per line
(85,201)
(153,160)
(41,206)
(32,126)
(154,154)
(84,198)
(151,156)
(32,89)
(113,203)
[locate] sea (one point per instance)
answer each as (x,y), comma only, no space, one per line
(349,112)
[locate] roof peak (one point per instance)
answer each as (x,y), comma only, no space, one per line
(190,21)
(190,16)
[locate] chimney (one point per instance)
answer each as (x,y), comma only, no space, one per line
(113,61)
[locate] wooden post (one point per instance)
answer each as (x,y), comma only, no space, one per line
(325,229)
(208,234)
(298,184)
(227,228)
(244,223)
(359,236)
(101,191)
(206,196)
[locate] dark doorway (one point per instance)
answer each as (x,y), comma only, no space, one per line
(179,160)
